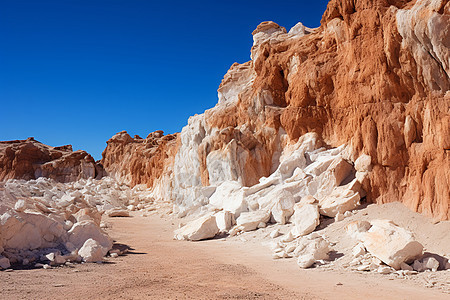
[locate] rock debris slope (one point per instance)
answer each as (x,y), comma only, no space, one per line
(373,78)
(47,223)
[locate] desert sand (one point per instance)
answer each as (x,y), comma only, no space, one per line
(159,267)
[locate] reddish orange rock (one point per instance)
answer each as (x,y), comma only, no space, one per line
(30,159)
(136,160)
(374,75)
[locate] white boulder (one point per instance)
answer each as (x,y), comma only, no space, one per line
(305,219)
(84,230)
(199,229)
(249,221)
(92,251)
(229,196)
(363,163)
(357,228)
(20,205)
(340,200)
(283,207)
(390,243)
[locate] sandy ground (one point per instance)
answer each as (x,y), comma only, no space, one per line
(158,267)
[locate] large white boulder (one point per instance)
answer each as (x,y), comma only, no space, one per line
(84,230)
(92,251)
(391,244)
(249,221)
(306,218)
(311,249)
(199,229)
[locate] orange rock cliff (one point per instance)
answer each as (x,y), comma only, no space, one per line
(370,86)
(30,159)
(373,76)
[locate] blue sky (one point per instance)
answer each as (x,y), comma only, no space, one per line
(78,71)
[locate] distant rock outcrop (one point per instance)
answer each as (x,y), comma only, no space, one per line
(30,159)
(373,77)
(137,160)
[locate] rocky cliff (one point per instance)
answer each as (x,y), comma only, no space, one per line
(373,79)
(30,159)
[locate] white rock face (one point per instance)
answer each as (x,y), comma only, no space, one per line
(393,245)
(424,37)
(92,251)
(199,229)
(249,221)
(305,219)
(310,250)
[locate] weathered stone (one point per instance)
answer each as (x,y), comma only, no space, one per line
(199,229)
(357,228)
(283,207)
(249,221)
(310,250)
(275,233)
(305,219)
(340,200)
(92,251)
(85,230)
(4,263)
(224,220)
(391,244)
(117,212)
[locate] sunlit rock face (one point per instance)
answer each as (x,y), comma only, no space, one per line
(372,82)
(30,159)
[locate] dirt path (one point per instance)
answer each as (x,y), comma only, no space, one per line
(161,268)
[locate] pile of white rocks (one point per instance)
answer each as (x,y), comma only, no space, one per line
(309,186)
(308,182)
(45,223)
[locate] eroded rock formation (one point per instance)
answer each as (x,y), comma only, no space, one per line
(140,161)
(30,159)
(374,76)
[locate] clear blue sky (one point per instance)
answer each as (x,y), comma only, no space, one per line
(78,71)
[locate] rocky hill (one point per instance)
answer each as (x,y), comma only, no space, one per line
(30,159)
(372,81)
